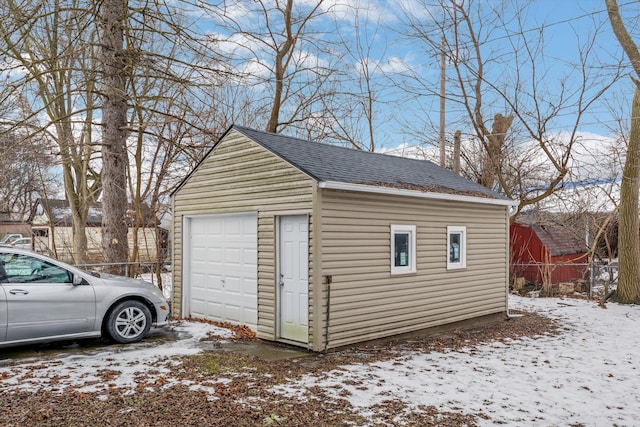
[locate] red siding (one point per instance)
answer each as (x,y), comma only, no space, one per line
(526,248)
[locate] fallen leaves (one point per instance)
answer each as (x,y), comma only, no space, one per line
(222,388)
(241,332)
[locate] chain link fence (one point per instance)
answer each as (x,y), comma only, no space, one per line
(595,278)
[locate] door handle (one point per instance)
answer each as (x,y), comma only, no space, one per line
(282,280)
(18,292)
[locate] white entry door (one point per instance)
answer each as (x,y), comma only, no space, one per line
(294,278)
(222,280)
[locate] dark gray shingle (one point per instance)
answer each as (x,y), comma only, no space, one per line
(326,162)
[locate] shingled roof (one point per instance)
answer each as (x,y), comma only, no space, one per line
(330,163)
(559,240)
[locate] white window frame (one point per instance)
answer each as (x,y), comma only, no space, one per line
(462,231)
(411,231)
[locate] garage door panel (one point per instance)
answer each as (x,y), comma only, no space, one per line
(214,283)
(234,286)
(214,311)
(233,313)
(250,258)
(251,287)
(213,255)
(233,256)
(198,280)
(198,306)
(223,268)
(249,313)
(214,228)
(199,253)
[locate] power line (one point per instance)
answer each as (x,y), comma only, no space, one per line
(551,24)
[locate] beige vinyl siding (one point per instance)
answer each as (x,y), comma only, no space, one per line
(241,176)
(367,302)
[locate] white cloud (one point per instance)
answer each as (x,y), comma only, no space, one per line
(418,9)
(377,12)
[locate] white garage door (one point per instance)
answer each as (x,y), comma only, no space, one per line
(222,262)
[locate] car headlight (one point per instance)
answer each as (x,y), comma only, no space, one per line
(158,293)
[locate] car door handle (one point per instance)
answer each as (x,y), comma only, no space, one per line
(18,291)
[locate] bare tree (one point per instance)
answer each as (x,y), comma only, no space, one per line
(176,110)
(498,70)
(360,97)
(273,47)
(159,74)
(170,74)
(628,290)
(165,145)
(49,59)
(24,172)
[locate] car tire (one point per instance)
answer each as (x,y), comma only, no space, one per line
(128,322)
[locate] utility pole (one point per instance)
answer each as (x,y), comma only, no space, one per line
(442,100)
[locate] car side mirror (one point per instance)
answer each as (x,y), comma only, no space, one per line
(79,280)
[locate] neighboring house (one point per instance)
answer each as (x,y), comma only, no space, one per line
(321,246)
(10,225)
(51,225)
(545,252)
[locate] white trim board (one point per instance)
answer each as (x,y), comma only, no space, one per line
(334,185)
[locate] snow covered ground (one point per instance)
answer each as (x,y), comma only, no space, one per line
(588,375)
(101,368)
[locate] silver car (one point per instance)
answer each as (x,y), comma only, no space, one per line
(43,300)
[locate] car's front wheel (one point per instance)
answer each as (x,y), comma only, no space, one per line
(128,322)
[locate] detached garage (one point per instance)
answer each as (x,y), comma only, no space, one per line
(322,246)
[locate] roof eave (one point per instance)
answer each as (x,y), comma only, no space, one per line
(345,186)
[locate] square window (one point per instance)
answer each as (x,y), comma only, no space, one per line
(456,247)
(403,249)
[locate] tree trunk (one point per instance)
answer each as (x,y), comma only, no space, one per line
(491,168)
(456,151)
(77,197)
(79,212)
(115,247)
(629,246)
(628,290)
(274,118)
(283,56)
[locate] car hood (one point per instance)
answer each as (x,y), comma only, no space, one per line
(113,280)
(141,287)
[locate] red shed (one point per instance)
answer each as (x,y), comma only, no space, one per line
(549,253)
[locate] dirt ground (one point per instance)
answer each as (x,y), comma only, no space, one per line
(247,399)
